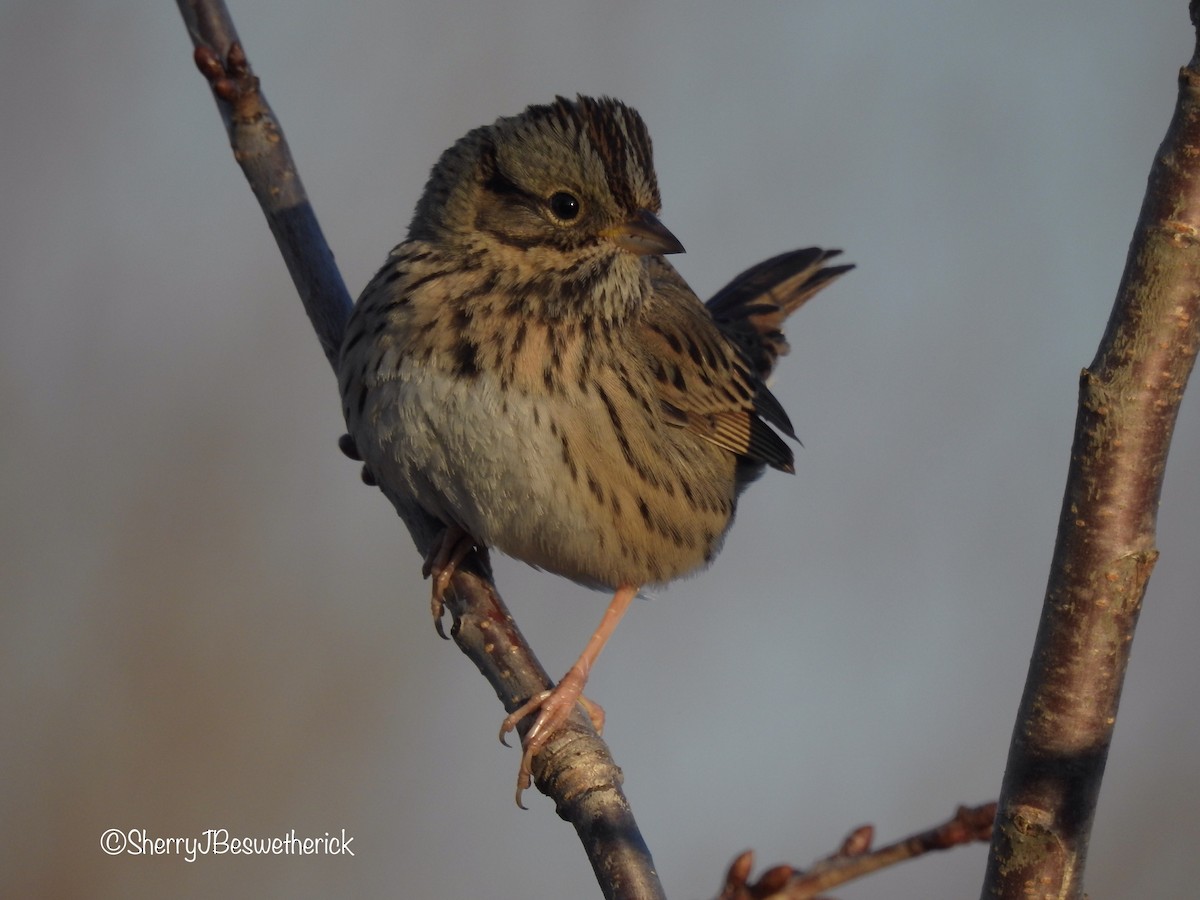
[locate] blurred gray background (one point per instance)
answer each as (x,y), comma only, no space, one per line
(207,621)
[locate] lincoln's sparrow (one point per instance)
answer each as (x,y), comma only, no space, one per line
(527,372)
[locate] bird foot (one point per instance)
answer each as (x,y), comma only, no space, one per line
(441,564)
(553,708)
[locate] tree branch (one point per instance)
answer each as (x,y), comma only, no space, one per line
(854,859)
(1105,550)
(260,149)
(575,769)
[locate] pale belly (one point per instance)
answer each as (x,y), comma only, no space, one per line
(547,481)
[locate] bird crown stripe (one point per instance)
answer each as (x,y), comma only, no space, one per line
(620,140)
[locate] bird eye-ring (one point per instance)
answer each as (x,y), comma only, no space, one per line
(564,206)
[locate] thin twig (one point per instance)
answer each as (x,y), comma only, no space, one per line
(854,859)
(575,768)
(261,151)
(1129,399)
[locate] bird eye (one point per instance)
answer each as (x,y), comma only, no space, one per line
(564,206)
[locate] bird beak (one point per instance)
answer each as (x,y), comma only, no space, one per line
(644,235)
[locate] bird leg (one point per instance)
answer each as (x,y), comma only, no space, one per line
(443,559)
(554,706)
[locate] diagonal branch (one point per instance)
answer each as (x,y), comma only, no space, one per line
(575,768)
(259,147)
(1105,550)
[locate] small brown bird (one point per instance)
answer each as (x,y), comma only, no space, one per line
(527,372)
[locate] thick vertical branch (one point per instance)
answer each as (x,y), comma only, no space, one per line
(575,769)
(1129,399)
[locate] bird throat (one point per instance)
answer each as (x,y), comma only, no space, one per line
(603,291)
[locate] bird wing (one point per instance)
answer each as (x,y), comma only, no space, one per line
(705,384)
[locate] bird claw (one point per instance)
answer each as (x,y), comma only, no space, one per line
(441,581)
(441,564)
(553,708)
(438,607)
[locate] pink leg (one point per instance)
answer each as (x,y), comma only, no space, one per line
(554,707)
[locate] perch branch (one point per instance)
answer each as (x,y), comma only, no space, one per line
(575,769)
